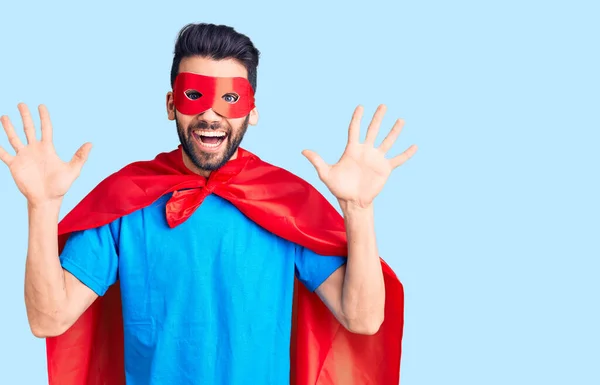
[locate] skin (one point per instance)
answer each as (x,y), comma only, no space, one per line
(355,293)
(55,299)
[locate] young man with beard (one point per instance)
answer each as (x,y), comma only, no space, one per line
(185,269)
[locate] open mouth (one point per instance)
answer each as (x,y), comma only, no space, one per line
(210,139)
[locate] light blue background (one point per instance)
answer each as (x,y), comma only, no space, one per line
(492,226)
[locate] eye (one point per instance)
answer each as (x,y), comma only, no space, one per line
(193,94)
(231,98)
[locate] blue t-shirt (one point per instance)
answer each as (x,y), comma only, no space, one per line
(206,302)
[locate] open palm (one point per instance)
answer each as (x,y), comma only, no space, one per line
(36,168)
(363,169)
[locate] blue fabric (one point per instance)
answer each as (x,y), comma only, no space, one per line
(207,302)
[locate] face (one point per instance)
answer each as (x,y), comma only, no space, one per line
(209,139)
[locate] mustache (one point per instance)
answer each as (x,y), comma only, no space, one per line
(204,125)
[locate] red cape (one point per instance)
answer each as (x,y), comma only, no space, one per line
(323,351)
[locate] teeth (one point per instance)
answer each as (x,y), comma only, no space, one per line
(210,133)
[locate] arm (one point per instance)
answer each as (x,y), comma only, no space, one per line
(54,298)
(356,293)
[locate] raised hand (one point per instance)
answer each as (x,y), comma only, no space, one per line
(363,169)
(36,168)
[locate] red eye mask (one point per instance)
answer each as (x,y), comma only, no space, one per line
(230,97)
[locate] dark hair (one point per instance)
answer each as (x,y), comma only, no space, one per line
(215,42)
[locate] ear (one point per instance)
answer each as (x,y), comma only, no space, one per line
(170,106)
(253,120)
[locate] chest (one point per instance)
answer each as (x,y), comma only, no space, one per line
(218,253)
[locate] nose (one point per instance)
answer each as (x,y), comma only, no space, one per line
(210,116)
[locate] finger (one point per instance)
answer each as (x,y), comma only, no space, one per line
(28,126)
(45,123)
(406,155)
(374,125)
(318,162)
(5,156)
(354,128)
(391,137)
(80,157)
(12,136)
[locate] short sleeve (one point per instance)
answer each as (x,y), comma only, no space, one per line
(91,256)
(313,269)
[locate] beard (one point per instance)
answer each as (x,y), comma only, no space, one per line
(210,161)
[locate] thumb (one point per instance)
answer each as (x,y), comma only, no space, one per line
(80,157)
(317,162)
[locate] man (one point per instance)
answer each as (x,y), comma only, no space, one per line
(203,248)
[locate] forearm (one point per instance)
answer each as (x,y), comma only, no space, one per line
(363,292)
(45,290)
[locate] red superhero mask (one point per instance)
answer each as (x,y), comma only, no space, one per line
(231,97)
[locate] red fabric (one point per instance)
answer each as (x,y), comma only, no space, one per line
(323,351)
(212,90)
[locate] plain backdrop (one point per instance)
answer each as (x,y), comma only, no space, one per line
(493,226)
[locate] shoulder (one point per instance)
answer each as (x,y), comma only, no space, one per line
(269,173)
(135,185)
